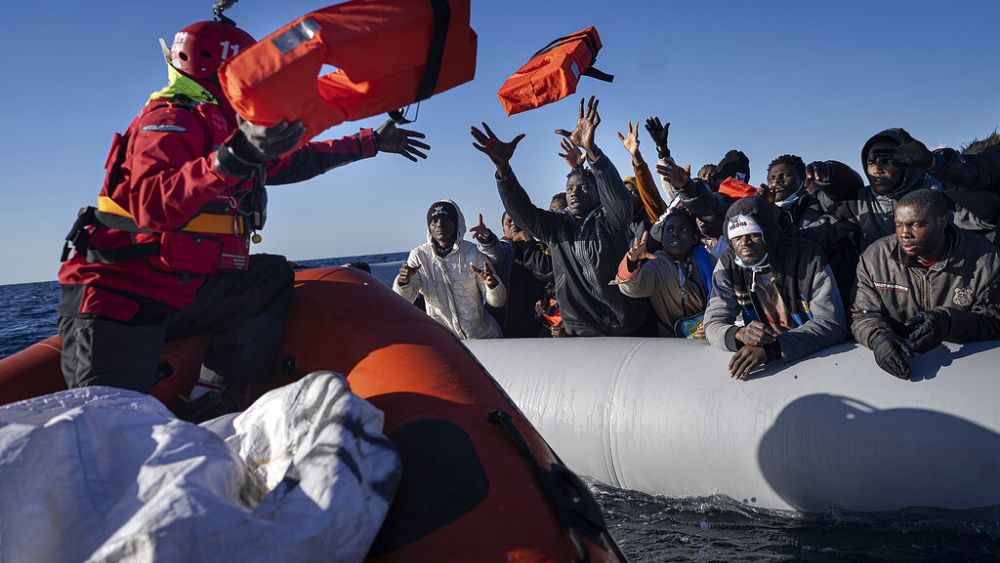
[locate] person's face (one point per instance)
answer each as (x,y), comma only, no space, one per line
(750,248)
(443,230)
(581,198)
(511,230)
(706,172)
(632,189)
(679,236)
(783,181)
(919,233)
(558,202)
(883,176)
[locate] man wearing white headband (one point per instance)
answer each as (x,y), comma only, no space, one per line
(782,288)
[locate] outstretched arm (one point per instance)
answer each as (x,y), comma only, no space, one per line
(615,199)
(315,158)
(652,201)
(515,200)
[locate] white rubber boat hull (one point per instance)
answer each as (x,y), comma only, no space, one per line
(832,431)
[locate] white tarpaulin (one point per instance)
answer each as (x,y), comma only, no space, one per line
(103,474)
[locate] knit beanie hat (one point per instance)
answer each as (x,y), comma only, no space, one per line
(442,208)
(734,165)
(742,224)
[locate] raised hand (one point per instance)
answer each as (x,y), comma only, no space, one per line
(631,141)
(573,155)
(911,154)
(817,172)
(400,141)
(406,273)
(766,192)
(637,250)
(586,124)
(481,232)
(676,176)
(486,274)
(659,133)
(500,152)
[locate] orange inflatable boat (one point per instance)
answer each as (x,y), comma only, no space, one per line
(479,483)
(553,72)
(388,54)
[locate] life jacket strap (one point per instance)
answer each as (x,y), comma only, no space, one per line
(588,40)
(435,51)
(114,216)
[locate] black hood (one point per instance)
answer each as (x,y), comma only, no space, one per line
(734,165)
(765,214)
(897,136)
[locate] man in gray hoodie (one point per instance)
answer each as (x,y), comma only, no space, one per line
(780,285)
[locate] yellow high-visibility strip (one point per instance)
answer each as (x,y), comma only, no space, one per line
(209,223)
(107,205)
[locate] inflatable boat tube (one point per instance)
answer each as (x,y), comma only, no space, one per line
(832,431)
(553,72)
(388,54)
(479,483)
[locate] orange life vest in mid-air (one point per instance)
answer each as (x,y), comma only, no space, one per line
(553,72)
(388,54)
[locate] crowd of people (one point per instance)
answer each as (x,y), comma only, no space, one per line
(778,271)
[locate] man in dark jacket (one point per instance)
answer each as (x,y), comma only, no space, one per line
(869,211)
(928,283)
(525,266)
(586,240)
(971,179)
(791,185)
(780,285)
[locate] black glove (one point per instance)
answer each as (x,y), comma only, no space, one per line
(927,329)
(889,356)
(255,144)
(911,154)
(659,133)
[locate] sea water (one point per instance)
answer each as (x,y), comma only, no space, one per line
(650,528)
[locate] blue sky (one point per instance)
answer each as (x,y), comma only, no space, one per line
(810,78)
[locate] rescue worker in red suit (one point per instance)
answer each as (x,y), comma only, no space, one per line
(165,253)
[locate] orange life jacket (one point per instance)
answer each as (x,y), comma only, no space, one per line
(553,72)
(736,189)
(388,54)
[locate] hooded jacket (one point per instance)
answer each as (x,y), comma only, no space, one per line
(892,288)
(804,282)
(585,254)
(808,217)
(453,293)
(872,213)
(676,289)
(525,266)
(972,182)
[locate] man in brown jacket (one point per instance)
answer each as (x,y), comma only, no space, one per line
(928,283)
